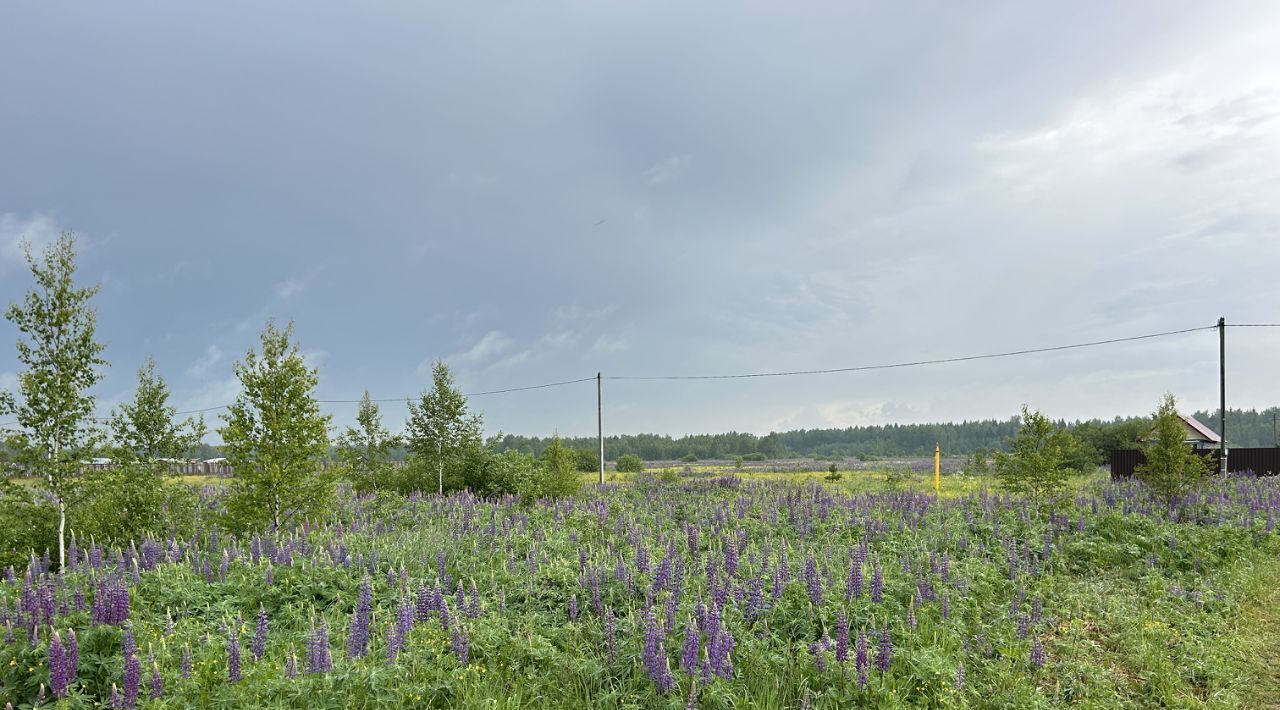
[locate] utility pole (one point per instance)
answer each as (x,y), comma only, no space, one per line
(600,424)
(1222,390)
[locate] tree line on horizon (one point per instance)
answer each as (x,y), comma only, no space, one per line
(1246,428)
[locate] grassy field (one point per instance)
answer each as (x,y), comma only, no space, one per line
(672,590)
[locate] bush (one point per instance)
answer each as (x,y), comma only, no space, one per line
(26,524)
(833,474)
(587,460)
(556,475)
(511,472)
(130,501)
(755,456)
(689,458)
(629,463)
(1039,461)
(1172,469)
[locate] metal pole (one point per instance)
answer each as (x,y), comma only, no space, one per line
(1222,389)
(600,424)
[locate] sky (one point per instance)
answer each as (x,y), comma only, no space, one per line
(537,192)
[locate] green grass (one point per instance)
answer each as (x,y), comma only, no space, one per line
(1138,610)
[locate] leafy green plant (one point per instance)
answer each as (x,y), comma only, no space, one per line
(440,428)
(62,357)
(1038,463)
(275,439)
(1172,469)
(629,463)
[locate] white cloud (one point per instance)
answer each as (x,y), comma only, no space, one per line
(37,230)
(668,169)
(201,367)
(290,287)
(490,345)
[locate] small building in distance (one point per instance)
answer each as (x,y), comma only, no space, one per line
(1199,435)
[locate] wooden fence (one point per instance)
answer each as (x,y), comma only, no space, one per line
(1261,462)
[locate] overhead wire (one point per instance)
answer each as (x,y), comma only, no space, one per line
(915,363)
(786,373)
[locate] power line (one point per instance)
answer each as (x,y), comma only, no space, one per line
(1253,325)
(916,363)
(465,394)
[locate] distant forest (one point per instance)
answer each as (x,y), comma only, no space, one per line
(1246,428)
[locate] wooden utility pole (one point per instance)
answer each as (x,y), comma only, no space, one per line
(600,424)
(1222,390)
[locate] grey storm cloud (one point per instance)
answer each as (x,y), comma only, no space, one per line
(540,192)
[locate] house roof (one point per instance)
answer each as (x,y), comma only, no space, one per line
(1208,434)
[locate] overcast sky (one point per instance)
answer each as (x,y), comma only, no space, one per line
(540,191)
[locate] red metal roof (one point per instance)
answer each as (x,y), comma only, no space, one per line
(1209,434)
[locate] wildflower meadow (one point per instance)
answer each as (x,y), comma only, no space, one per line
(708,591)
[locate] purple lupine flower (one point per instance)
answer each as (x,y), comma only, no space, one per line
(885,652)
(130,645)
(233,653)
(185,672)
(960,676)
(132,674)
(259,645)
(1024,626)
(291,666)
(819,650)
(71,657)
(461,645)
(656,664)
(473,606)
(392,642)
(877,584)
(842,637)
(116,700)
(860,658)
(812,581)
(1037,654)
(945,605)
(424,605)
(853,583)
(610,634)
(319,660)
(573,607)
(57,666)
(911,615)
(155,683)
(358,635)
(689,651)
(405,620)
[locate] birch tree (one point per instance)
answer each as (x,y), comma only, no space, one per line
(276,439)
(439,427)
(63,360)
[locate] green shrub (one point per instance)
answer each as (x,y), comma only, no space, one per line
(1039,461)
(587,460)
(556,475)
(1172,469)
(629,463)
(689,458)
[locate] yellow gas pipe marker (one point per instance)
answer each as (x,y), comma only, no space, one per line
(937,469)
